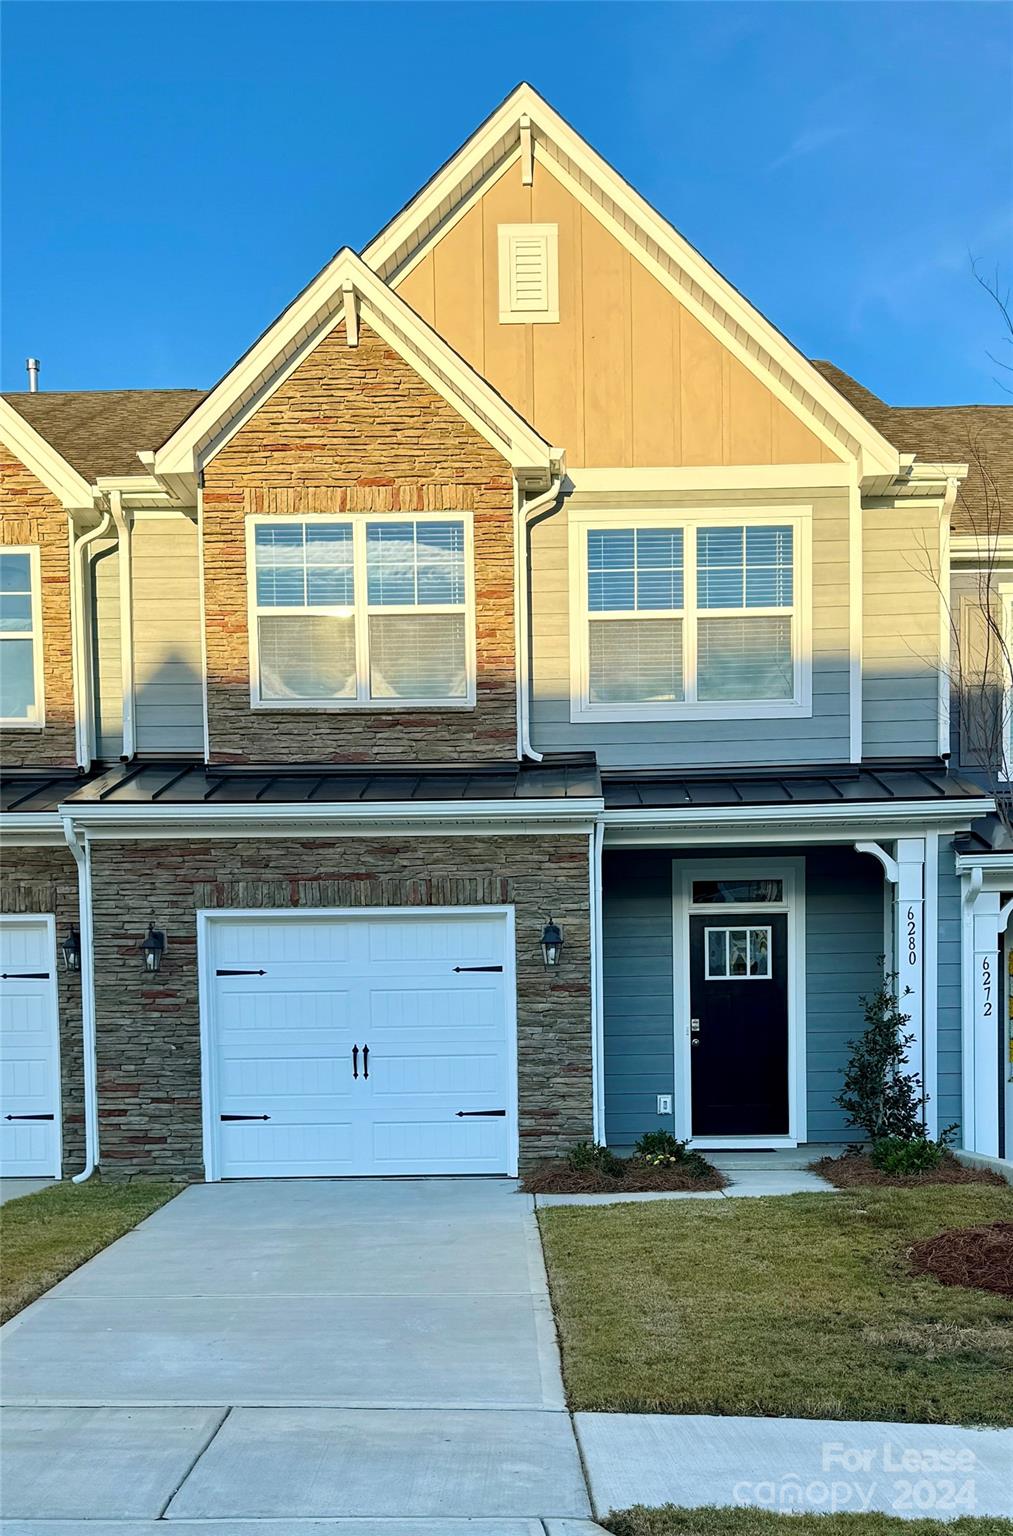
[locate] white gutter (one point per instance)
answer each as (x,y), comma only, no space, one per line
(80,651)
(754,815)
(124,530)
(526,510)
(87,1000)
(448,813)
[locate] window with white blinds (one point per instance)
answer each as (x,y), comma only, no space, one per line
(687,618)
(361,611)
(20,649)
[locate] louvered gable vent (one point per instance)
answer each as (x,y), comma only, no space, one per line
(528,273)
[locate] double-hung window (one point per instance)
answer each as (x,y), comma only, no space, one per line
(20,637)
(361,611)
(684,615)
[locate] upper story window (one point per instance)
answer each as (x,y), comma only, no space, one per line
(20,638)
(528,273)
(682,616)
(359,611)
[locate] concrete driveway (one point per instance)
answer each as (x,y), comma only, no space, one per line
(309,1350)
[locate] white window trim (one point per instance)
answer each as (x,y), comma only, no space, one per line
(362,611)
(726,929)
(37,719)
(792,872)
(507,234)
(583,711)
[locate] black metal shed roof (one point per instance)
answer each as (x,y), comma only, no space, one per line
(858,784)
(35,793)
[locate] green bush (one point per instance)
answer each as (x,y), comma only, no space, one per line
(590,1157)
(663,1150)
(901,1155)
(880,1096)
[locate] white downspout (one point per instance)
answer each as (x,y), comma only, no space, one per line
(527,510)
(81,654)
(89,1062)
(124,531)
(597,1013)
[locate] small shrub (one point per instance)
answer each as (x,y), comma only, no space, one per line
(879,1096)
(660,1149)
(903,1155)
(590,1157)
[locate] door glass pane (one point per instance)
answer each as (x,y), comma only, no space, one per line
(738,950)
(717,964)
(759,952)
(17,680)
(712,893)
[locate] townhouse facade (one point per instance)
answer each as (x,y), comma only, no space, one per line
(515,705)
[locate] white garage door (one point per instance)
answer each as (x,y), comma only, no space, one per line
(29,1059)
(358,1045)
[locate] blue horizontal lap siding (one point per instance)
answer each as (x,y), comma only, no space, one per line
(843,942)
(948,1028)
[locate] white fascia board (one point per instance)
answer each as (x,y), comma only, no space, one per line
(71,489)
(440,817)
(878,456)
(891,812)
(315,313)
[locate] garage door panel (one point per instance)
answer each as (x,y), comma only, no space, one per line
(29,1060)
(284,1039)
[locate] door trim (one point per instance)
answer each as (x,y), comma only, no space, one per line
(48,919)
(206,917)
(792,872)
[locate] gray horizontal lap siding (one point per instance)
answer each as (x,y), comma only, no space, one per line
(843,942)
(948,1026)
(901,625)
(822,738)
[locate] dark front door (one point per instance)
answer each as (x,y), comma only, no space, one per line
(738,987)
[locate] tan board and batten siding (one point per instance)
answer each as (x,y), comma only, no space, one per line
(627,377)
(168,701)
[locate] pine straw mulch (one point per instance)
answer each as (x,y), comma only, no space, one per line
(853,1170)
(978,1257)
(558,1178)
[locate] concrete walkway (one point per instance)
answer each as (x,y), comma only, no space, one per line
(745,1181)
(297,1350)
(13,1189)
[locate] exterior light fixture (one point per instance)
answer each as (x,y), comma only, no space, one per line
(153,948)
(552,943)
(71,948)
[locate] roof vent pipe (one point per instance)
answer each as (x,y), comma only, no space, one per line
(33,365)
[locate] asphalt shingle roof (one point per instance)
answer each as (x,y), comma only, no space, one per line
(99,431)
(980,436)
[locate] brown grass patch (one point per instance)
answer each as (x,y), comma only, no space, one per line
(853,1170)
(558,1178)
(978,1257)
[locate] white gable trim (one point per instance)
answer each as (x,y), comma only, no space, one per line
(655,242)
(51,468)
(311,317)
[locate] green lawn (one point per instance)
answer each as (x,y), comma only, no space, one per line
(800,1306)
(671,1521)
(46,1235)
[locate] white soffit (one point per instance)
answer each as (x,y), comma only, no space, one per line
(316,311)
(655,242)
(48,466)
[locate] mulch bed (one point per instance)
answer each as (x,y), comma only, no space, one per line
(978,1257)
(854,1170)
(558,1178)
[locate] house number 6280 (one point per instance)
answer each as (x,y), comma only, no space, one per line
(912,937)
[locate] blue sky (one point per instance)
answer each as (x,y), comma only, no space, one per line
(175,172)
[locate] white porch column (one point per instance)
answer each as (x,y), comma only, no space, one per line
(909,946)
(983,1000)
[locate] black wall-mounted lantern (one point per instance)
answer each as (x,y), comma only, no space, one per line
(71,948)
(552,943)
(153,948)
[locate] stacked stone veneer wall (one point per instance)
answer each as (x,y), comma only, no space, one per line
(30,514)
(354,429)
(44,881)
(149,1027)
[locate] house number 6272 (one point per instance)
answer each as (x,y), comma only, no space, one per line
(912,937)
(986,986)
